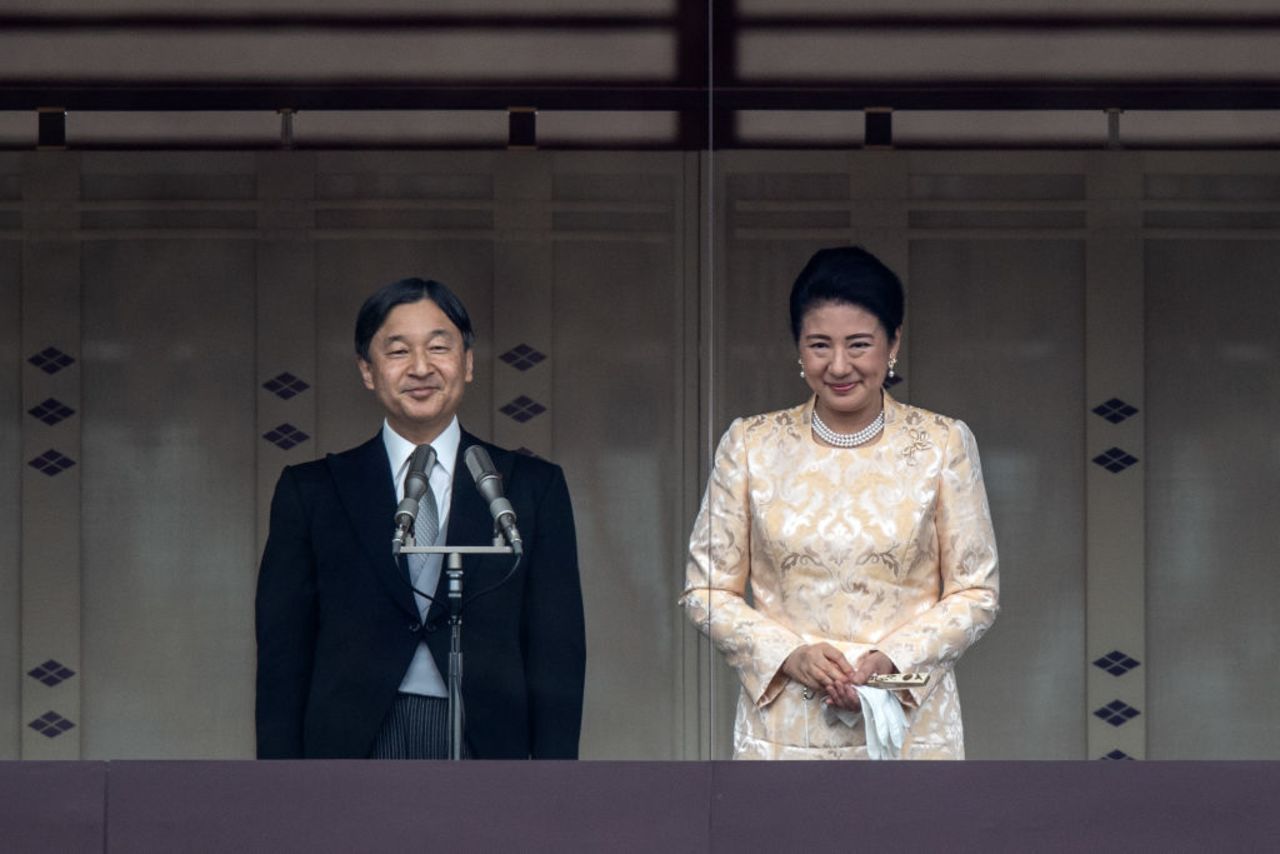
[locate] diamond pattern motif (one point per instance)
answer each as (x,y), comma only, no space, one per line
(285,386)
(523,408)
(51,463)
(285,436)
(1115,460)
(51,360)
(51,411)
(1118,755)
(51,724)
(1115,410)
(522,357)
(51,673)
(1116,663)
(1116,713)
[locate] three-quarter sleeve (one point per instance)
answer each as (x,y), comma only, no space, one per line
(719,571)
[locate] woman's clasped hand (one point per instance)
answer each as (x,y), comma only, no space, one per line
(823,669)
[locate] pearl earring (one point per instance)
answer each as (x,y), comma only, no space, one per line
(801,364)
(893,360)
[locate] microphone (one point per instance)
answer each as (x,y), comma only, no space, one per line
(489,482)
(415,486)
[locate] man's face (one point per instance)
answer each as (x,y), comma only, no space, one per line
(418,369)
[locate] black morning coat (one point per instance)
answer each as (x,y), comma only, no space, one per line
(337,624)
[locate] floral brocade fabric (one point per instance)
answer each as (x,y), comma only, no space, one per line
(887,546)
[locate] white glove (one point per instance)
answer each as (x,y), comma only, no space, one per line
(886,721)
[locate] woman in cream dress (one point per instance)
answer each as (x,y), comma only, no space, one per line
(860,526)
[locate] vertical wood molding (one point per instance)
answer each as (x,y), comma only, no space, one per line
(879,196)
(51,595)
(523,297)
(693,227)
(1115,501)
(286,317)
(709,676)
(13,367)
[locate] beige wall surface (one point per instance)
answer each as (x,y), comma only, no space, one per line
(1041,285)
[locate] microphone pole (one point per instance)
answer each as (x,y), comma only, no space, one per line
(489,482)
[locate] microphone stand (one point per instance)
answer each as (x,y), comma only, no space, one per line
(453,571)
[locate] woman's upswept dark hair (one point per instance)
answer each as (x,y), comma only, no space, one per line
(376,308)
(852,275)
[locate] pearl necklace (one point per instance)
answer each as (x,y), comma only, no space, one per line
(847,440)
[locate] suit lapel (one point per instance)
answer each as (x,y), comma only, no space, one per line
(363,480)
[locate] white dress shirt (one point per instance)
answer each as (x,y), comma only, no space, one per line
(423,677)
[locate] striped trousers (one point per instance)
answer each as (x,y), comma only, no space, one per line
(417,727)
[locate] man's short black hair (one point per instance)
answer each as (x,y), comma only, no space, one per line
(376,308)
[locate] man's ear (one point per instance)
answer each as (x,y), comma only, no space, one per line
(470,358)
(366,372)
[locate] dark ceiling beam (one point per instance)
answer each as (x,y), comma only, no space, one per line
(80,21)
(201,95)
(1029,22)
(1259,94)
(1173,94)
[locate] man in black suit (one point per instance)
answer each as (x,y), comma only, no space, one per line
(352,659)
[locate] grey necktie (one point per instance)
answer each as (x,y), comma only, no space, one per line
(426,527)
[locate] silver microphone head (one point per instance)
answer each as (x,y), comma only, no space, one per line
(486,476)
(420,465)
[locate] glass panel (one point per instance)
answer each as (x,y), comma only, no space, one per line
(1213,483)
(1007,357)
(168,445)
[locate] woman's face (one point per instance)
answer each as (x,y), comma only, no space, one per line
(845,352)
